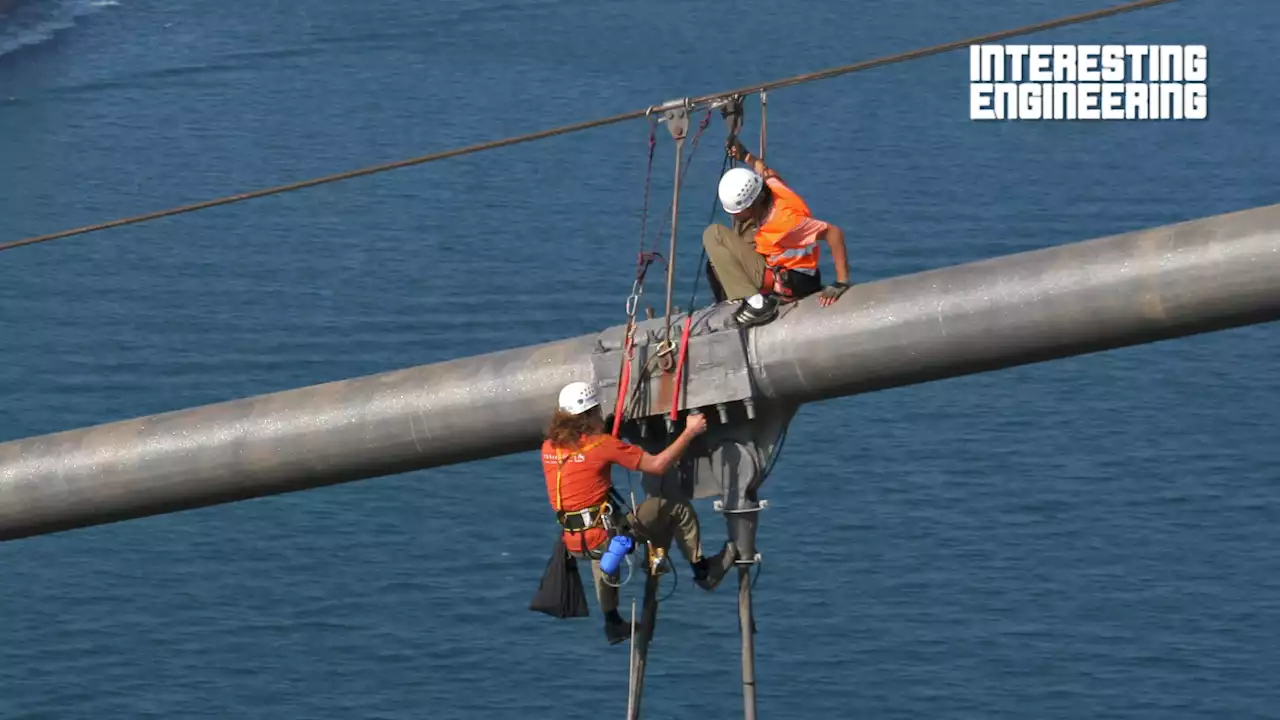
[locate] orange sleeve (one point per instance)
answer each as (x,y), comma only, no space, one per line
(624,454)
(788,196)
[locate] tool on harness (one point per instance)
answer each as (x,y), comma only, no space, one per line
(658,562)
(605,514)
(619,547)
(790,285)
(582,520)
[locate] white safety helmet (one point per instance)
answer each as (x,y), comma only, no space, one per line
(578,397)
(738,189)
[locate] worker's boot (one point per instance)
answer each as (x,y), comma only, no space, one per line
(756,310)
(708,572)
(616,627)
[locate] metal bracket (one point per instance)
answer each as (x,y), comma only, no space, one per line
(729,460)
(718,506)
(717,369)
(764,119)
(677,120)
(669,105)
(732,113)
(736,457)
(727,463)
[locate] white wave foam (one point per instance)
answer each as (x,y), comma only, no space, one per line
(34,23)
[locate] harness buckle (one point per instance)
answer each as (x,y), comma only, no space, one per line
(778,281)
(587,518)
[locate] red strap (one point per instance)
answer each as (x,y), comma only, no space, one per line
(773,283)
(624,382)
(684,349)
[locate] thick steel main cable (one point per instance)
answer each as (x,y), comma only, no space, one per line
(565,129)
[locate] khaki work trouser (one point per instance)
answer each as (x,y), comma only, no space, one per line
(661,521)
(733,256)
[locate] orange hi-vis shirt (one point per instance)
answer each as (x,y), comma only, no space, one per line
(788,237)
(581,479)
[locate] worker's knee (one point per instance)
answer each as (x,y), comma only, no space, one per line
(679,512)
(687,515)
(714,235)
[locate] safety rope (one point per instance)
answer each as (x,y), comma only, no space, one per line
(643,261)
(733,116)
(648,178)
(589,124)
(630,571)
(702,257)
(675,580)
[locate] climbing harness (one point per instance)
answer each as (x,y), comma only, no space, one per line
(583,519)
(601,515)
(630,572)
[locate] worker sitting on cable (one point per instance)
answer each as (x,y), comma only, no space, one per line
(577,457)
(771,253)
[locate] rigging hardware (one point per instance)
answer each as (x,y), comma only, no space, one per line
(589,124)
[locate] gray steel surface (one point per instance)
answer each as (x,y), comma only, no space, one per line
(1127,289)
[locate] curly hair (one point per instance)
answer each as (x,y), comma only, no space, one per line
(567,430)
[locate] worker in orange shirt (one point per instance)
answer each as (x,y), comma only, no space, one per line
(771,253)
(577,457)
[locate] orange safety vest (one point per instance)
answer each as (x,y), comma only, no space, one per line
(788,237)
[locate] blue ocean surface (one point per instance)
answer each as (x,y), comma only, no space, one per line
(1096,537)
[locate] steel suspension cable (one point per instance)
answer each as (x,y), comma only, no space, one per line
(589,124)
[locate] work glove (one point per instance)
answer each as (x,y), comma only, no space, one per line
(831,293)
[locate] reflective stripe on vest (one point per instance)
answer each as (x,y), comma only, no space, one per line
(788,236)
(799,252)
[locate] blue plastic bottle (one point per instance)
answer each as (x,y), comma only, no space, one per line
(620,545)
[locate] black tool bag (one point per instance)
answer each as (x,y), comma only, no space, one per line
(560,594)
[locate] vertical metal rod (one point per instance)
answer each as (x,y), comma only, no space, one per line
(671,252)
(746,625)
(631,672)
(764,106)
(640,645)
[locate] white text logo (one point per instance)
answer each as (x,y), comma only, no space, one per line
(1088,82)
